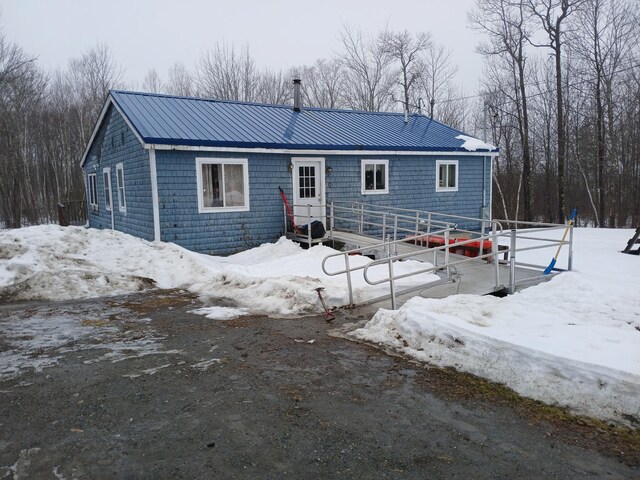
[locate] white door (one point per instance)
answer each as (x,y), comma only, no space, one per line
(308,190)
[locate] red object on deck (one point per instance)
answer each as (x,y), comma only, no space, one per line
(471,249)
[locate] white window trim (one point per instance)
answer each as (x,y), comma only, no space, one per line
(107,188)
(93,191)
(446,162)
(222,161)
(121,206)
(363,164)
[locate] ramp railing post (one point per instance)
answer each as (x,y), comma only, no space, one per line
(392,286)
(415,240)
(384,226)
(395,235)
(446,252)
(348,268)
(495,253)
(284,217)
(428,224)
(361,219)
(331,220)
(512,262)
(570,259)
(309,224)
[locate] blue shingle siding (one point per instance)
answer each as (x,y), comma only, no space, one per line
(107,150)
(220,232)
(412,185)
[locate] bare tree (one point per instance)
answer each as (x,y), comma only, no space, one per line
(152,82)
(180,81)
(368,71)
(91,76)
(506,25)
(407,50)
(274,88)
(223,73)
(22,89)
(436,77)
(323,83)
(552,16)
(605,36)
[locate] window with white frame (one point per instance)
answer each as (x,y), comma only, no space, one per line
(223,184)
(106,180)
(93,191)
(122,199)
(446,175)
(375,176)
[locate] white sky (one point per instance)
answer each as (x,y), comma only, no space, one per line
(280,33)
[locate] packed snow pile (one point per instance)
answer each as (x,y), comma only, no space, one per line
(573,341)
(61,263)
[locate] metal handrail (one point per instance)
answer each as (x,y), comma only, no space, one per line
(392,278)
(535,224)
(391,221)
(455,218)
(348,270)
(383,224)
(511,251)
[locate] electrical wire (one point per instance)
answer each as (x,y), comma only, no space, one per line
(550,90)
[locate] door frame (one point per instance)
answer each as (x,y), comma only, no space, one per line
(295,180)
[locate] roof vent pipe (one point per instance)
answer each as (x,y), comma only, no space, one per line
(297,100)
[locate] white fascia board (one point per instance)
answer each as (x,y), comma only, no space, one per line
(289,151)
(99,124)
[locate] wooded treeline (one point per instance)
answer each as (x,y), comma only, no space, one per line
(562,89)
(560,96)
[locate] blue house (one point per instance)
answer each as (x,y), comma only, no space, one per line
(205,173)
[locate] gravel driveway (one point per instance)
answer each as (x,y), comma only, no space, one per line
(138,387)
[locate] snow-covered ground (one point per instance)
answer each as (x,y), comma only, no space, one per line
(61,263)
(573,341)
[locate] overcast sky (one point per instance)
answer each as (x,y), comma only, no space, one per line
(280,33)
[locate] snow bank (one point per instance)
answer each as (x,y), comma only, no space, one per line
(61,263)
(573,341)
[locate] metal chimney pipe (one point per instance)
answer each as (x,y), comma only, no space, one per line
(297,99)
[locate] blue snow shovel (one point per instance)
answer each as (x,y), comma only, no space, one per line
(547,271)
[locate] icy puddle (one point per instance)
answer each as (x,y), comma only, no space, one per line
(39,337)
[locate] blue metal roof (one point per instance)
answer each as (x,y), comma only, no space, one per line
(172,120)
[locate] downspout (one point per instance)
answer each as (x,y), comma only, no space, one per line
(484,214)
(154,194)
(484,182)
(491,188)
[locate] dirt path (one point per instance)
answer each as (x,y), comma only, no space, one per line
(138,387)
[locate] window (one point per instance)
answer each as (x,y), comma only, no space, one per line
(446,176)
(223,184)
(122,199)
(93,192)
(307,181)
(375,176)
(106,177)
